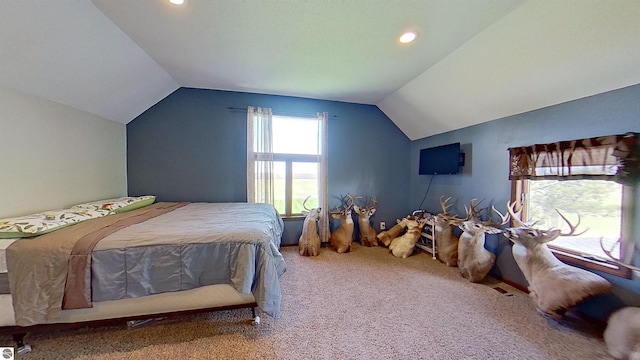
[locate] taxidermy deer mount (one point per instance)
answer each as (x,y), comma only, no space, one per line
(474,261)
(403,246)
(367,232)
(553,285)
(342,237)
(446,241)
(622,335)
(309,242)
(385,237)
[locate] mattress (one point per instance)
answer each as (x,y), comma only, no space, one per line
(4,279)
(4,244)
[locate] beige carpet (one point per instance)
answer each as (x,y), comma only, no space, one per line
(366,304)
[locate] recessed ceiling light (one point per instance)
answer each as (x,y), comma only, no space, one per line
(177,2)
(408,37)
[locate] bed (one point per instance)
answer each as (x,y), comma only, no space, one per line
(137,263)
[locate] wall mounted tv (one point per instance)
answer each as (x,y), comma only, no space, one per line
(441,160)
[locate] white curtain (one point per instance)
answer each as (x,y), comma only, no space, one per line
(323,176)
(259,155)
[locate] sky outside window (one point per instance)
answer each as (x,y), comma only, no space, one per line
(295,136)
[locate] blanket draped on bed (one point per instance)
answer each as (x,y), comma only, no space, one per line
(77,290)
(197,245)
(38,266)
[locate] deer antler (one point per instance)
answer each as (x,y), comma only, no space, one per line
(472,211)
(572,228)
(503,218)
(608,252)
(352,202)
(304,203)
(615,259)
(445,211)
(444,206)
(345,206)
(375,203)
(515,216)
(366,203)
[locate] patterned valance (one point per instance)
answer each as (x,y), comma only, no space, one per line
(614,157)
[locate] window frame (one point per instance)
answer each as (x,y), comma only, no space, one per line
(260,185)
(519,193)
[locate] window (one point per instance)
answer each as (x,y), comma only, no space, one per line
(598,207)
(296,156)
(287,162)
(589,180)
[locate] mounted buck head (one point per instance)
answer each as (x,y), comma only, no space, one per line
(474,261)
(309,241)
(474,226)
(367,232)
(366,212)
(526,235)
(553,285)
(345,212)
(403,246)
(385,237)
(446,241)
(342,237)
(310,213)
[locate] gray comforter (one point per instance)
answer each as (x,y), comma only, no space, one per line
(196,245)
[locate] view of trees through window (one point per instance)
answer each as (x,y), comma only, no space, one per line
(597,202)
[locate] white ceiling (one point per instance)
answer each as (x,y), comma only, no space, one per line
(473,61)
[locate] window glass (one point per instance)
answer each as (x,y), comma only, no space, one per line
(295,135)
(295,152)
(598,202)
(304,183)
(279,186)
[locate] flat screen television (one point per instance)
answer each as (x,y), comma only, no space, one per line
(439,160)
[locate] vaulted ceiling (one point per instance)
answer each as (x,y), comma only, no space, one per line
(473,60)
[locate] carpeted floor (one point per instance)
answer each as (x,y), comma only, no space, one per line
(366,304)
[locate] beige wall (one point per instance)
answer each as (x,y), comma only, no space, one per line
(53,156)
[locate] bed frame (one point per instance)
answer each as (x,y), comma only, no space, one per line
(223,295)
(200,300)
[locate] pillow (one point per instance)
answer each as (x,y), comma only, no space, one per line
(118,205)
(42,223)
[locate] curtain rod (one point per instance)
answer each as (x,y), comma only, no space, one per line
(280,113)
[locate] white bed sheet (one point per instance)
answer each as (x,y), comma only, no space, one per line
(4,244)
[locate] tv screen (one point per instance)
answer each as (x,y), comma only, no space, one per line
(443,159)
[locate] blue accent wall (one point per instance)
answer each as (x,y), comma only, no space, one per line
(191,147)
(485,174)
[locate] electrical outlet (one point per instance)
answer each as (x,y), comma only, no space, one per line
(383,225)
